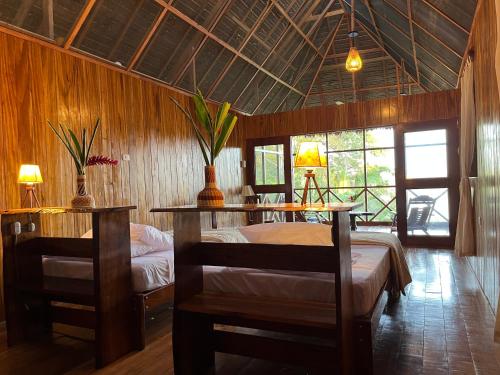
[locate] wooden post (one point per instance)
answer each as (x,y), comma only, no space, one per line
(341,236)
(192,337)
(115,321)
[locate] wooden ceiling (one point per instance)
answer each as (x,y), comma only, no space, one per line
(263,55)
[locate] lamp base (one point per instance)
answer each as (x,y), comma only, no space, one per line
(310,175)
(30,197)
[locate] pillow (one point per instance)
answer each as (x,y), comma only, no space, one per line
(139,248)
(145,239)
(289,233)
(157,239)
(136,231)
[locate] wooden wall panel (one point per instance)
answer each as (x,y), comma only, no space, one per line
(424,107)
(38,83)
(486,264)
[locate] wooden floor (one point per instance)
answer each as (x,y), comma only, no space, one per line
(443,326)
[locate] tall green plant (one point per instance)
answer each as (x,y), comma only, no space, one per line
(78,149)
(212,134)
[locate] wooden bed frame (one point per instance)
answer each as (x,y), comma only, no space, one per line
(198,315)
(106,304)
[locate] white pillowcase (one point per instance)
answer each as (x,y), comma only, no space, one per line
(145,239)
(156,238)
(289,233)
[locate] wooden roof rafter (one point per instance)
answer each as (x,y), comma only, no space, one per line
(438,40)
(410,23)
(445,16)
(245,41)
(216,39)
(216,59)
(383,47)
(330,44)
(418,61)
(79,23)
(151,33)
(313,29)
(222,11)
(296,27)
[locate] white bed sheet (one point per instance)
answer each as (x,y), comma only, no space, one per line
(149,271)
(371,266)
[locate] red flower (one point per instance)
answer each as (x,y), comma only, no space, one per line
(101,160)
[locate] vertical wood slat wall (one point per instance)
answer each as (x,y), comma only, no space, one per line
(165,168)
(486,264)
(397,110)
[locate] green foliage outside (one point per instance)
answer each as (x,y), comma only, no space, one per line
(345,175)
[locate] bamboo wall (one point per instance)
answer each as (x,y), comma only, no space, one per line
(38,83)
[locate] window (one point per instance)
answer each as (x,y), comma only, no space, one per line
(361,167)
(269,168)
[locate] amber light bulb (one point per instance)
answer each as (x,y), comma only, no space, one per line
(353,62)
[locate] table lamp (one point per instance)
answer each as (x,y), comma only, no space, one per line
(249,194)
(310,155)
(30,175)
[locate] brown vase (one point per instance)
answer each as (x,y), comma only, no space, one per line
(210,196)
(82,199)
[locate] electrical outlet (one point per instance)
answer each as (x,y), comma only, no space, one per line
(126,157)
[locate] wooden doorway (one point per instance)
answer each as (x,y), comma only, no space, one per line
(269,171)
(427,179)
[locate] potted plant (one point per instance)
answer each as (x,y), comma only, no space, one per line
(79,149)
(212,135)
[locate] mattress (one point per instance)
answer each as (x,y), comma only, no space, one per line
(370,269)
(149,271)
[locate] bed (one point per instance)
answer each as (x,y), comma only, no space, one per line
(153,273)
(289,281)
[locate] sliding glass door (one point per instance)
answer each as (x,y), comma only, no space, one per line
(269,171)
(427,183)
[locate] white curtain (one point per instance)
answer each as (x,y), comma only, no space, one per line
(465,238)
(497,68)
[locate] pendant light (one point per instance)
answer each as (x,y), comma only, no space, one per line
(353,63)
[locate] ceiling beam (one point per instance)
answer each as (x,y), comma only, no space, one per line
(367,61)
(410,23)
(235,32)
(131,19)
(306,69)
(421,62)
(203,30)
(423,29)
(292,57)
(138,53)
(297,28)
(313,30)
(48,18)
(331,13)
(437,57)
(79,23)
(247,38)
(22,12)
(445,16)
(362,89)
(212,26)
(364,51)
(372,17)
(330,44)
(381,46)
